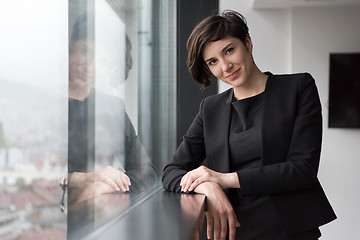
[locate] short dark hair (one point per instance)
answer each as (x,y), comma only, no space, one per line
(81,31)
(211,29)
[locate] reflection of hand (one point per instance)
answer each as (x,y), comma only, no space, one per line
(191,206)
(113,201)
(94,189)
(220,214)
(113,177)
(111,205)
(106,180)
(203,174)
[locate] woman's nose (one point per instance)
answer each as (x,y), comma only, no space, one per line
(226,65)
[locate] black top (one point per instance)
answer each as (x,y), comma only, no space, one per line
(244,137)
(111,141)
(255,214)
(80,141)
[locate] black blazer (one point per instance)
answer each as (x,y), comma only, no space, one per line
(291,145)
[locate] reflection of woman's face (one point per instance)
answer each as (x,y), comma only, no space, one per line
(81,63)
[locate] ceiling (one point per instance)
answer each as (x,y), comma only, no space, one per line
(272,4)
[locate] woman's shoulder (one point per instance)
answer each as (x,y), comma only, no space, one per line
(219,98)
(294,80)
(295,77)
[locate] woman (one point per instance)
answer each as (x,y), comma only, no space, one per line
(102,140)
(252,150)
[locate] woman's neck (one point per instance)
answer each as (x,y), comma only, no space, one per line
(78,93)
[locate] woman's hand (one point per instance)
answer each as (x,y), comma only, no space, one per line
(203,174)
(92,190)
(115,178)
(220,214)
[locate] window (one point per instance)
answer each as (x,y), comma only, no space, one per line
(88,95)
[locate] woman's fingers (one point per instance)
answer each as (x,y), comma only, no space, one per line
(122,181)
(189,178)
(115,178)
(123,187)
(209,225)
(233,223)
(196,183)
(187,185)
(110,182)
(101,188)
(217,228)
(194,178)
(220,226)
(223,227)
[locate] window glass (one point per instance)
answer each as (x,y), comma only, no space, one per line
(87,117)
(33,118)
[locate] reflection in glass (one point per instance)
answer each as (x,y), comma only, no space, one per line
(108,166)
(191,205)
(82,104)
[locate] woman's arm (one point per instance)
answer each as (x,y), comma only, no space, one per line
(114,178)
(203,174)
(220,214)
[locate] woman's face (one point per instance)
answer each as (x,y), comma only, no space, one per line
(89,61)
(81,63)
(230,61)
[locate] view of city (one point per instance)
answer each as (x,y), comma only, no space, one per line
(33,161)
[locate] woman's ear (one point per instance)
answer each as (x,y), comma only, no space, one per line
(249,44)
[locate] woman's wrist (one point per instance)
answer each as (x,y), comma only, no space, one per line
(229,180)
(79,179)
(207,188)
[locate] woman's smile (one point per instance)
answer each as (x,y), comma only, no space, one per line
(230,60)
(233,75)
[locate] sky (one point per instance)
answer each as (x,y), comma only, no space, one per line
(33,45)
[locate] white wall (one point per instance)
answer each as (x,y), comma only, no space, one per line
(315,33)
(298,40)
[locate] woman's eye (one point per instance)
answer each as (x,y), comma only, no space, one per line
(212,62)
(229,50)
